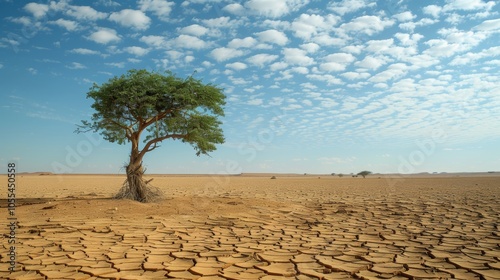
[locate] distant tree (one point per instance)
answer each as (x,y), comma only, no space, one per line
(340,175)
(153,107)
(333,174)
(364,173)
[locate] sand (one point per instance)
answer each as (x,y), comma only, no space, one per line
(253,227)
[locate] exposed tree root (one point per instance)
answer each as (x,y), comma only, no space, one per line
(135,188)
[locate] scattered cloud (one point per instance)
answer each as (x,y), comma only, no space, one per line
(160,8)
(237,66)
(368,25)
(131,18)
(295,56)
(137,51)
(69,25)
(84,51)
(32,70)
(105,36)
(260,60)
(307,26)
(115,64)
(235,9)
(246,42)
(276,8)
(76,65)
(489,25)
(189,42)
(349,6)
(153,41)
(194,29)
(223,54)
(273,36)
(37,10)
(84,13)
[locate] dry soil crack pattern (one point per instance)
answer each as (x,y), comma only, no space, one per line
(385,236)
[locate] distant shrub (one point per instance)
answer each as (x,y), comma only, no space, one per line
(274,177)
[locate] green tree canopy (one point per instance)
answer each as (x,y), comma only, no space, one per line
(364,173)
(160,106)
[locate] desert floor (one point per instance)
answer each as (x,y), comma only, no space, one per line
(253,227)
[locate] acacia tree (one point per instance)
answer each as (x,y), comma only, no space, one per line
(364,173)
(144,108)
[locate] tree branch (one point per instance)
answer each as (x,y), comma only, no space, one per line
(153,142)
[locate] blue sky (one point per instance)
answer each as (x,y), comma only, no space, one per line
(312,86)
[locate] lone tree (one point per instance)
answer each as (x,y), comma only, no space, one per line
(364,173)
(150,107)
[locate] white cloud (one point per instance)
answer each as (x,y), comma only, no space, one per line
(355,49)
(160,8)
(104,36)
(278,66)
(470,58)
(349,6)
(410,25)
(368,25)
(379,46)
(345,58)
(37,10)
(273,36)
(76,65)
(468,5)
(26,21)
(84,13)
(220,22)
(307,26)
(255,102)
(405,16)
(246,42)
(131,18)
(32,70)
(327,40)
(153,41)
(371,63)
(332,67)
(275,8)
(223,54)
(116,64)
(432,10)
(84,51)
(327,78)
(237,66)
(307,102)
(355,75)
(310,47)
(301,70)
(194,29)
(174,55)
(67,24)
(337,62)
(407,39)
(138,51)
(189,42)
(394,71)
(235,9)
(262,59)
(296,56)
(488,25)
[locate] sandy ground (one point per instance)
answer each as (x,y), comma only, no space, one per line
(253,227)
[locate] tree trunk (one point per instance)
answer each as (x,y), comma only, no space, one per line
(135,187)
(136,184)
